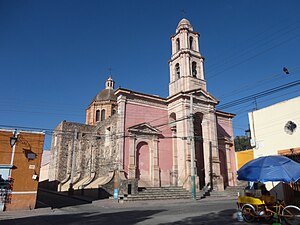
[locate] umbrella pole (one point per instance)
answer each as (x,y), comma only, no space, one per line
(274,191)
(277,222)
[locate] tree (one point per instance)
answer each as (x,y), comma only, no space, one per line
(241,143)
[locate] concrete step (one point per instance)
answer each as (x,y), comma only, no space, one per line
(160,193)
(228,192)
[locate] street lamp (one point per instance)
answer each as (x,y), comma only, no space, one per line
(13,139)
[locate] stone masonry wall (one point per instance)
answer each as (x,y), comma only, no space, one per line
(94,146)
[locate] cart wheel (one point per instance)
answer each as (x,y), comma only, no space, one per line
(268,216)
(291,215)
(248,213)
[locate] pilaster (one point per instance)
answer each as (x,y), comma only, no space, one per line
(132,158)
(121,101)
(155,167)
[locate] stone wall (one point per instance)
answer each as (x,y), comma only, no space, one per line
(62,147)
(94,148)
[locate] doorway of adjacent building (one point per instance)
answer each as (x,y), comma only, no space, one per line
(143,164)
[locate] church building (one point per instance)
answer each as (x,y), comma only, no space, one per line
(155,141)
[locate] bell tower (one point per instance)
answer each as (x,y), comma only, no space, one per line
(186,63)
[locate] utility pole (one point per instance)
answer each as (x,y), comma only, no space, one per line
(192,143)
(211,166)
(71,189)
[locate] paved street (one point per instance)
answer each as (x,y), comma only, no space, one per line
(107,212)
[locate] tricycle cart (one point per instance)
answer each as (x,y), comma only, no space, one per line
(268,168)
(266,208)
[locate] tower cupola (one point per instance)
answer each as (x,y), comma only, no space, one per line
(109,84)
(184,24)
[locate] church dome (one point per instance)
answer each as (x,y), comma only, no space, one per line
(184,23)
(106,95)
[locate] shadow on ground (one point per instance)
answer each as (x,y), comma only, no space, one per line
(225,217)
(119,218)
(141,217)
(57,200)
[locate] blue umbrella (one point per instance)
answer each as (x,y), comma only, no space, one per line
(270,168)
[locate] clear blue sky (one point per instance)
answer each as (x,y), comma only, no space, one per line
(55,55)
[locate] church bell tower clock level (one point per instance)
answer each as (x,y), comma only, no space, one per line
(186,63)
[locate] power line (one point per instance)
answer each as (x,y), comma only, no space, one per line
(265,41)
(261,37)
(258,95)
(257,83)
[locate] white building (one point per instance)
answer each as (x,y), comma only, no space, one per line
(275,129)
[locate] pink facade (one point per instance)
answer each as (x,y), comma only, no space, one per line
(226,147)
(137,114)
(156,117)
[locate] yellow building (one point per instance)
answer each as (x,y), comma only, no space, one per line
(243,157)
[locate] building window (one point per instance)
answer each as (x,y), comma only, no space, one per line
(191,42)
(102,114)
(97,115)
(194,69)
(177,70)
(177,44)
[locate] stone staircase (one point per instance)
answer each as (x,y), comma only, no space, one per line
(160,193)
(164,193)
(228,192)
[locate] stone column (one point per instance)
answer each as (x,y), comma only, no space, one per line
(174,172)
(217,179)
(210,152)
(121,130)
(132,158)
(155,167)
(230,175)
(201,69)
(69,159)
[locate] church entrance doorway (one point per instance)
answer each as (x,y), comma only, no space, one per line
(143,164)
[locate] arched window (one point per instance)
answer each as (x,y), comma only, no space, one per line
(177,44)
(177,70)
(114,112)
(97,115)
(102,114)
(172,122)
(194,69)
(191,42)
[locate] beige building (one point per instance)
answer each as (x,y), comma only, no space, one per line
(44,171)
(275,129)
